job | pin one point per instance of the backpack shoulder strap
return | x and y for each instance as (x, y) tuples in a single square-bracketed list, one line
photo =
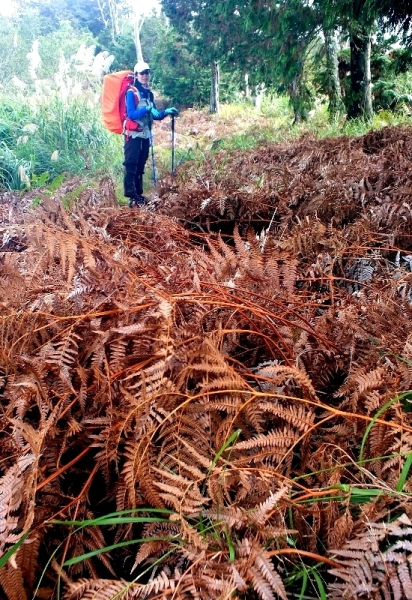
[(133, 89)]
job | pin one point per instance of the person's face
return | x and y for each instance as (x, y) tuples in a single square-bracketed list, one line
[(143, 77)]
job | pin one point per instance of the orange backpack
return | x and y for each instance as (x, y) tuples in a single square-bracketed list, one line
[(115, 86)]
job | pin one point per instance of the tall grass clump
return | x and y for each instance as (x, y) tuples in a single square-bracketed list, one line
[(49, 136), (252, 126), (322, 126)]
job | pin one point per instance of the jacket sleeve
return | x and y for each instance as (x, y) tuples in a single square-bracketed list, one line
[(159, 115), (133, 113)]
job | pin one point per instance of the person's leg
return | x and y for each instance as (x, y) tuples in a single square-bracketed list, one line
[(132, 151), (138, 182), (143, 156)]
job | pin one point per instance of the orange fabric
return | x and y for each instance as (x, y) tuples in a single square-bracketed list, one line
[(112, 89)]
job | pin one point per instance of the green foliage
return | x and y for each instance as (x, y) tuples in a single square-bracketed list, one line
[(57, 50), (389, 95), (199, 37), (14, 171), (53, 136), (122, 47), (286, 31), (50, 126), (82, 14), (178, 73), (12, 53), (397, 12), (275, 43), (392, 82)]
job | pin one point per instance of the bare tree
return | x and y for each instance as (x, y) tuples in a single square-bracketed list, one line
[(138, 22), (110, 16), (138, 17), (214, 92)]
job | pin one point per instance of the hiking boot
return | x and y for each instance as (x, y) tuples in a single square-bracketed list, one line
[(137, 201)]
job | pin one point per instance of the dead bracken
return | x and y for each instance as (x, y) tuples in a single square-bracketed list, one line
[(238, 356)]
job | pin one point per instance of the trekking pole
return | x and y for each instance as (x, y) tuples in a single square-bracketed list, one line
[(153, 159), (173, 145)]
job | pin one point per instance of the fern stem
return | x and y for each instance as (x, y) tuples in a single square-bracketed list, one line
[(318, 557), (62, 469)]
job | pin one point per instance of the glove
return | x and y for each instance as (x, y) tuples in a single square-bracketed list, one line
[(173, 112), (154, 112)]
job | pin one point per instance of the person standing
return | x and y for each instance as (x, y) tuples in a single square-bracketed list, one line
[(141, 110)]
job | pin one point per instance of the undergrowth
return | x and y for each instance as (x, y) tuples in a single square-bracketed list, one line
[(48, 136), (190, 415), (42, 139), (240, 127)]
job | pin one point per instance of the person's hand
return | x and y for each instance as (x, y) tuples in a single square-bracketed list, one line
[(173, 112), (154, 112)]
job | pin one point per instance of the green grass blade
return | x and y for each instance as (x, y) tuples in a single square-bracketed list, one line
[(148, 570), (115, 518), (219, 453), (378, 414), (304, 584), (87, 555), (321, 588), (111, 521), (358, 463), (232, 553), (12, 550), (404, 473)]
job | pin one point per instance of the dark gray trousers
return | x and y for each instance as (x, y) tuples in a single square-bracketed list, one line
[(136, 153)]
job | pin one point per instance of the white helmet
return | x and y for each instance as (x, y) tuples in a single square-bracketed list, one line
[(141, 66)]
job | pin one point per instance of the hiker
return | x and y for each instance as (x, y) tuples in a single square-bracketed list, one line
[(141, 108)]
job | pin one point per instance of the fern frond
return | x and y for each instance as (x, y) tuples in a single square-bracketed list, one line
[(265, 566), (12, 582), (280, 373), (63, 355), (11, 494), (67, 249), (273, 439), (97, 589), (260, 514), (297, 415), (185, 494), (118, 354), (150, 550), (373, 563), (200, 458), (230, 381)]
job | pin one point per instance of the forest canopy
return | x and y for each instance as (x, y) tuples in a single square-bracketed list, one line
[(349, 53)]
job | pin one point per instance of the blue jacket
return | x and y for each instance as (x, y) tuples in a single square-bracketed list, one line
[(138, 113)]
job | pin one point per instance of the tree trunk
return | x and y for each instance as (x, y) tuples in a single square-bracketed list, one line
[(336, 106), (112, 19), (361, 85), (367, 90), (138, 22), (259, 93), (247, 88), (214, 92), (296, 101)]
